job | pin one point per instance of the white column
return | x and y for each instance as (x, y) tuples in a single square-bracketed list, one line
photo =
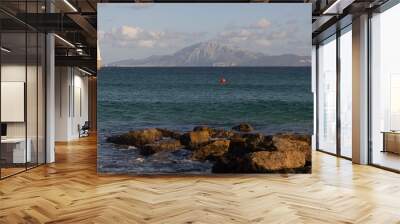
[(63, 99), (360, 90), (314, 92), (50, 98)]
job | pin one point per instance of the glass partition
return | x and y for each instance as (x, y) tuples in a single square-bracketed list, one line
[(327, 95), (13, 109), (22, 78), (346, 92), (31, 98), (41, 97), (385, 89)]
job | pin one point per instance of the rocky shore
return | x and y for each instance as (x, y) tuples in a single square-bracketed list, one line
[(239, 150)]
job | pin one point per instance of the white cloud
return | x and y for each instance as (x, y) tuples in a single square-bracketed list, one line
[(279, 35), (255, 32), (157, 34), (129, 32), (260, 36), (263, 23), (263, 42), (146, 43), (133, 36)]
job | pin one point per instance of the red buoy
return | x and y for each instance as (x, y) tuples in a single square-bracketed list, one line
[(222, 81)]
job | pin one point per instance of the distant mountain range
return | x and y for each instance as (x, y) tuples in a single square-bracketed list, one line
[(214, 54)]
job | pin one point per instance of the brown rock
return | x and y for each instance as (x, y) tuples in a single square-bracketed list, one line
[(137, 137), (204, 128), (293, 142), (250, 142), (261, 162), (237, 146), (265, 161), (211, 150), (194, 139), (236, 135), (267, 143), (162, 145), (221, 133), (169, 133), (258, 142), (243, 127), (230, 164)]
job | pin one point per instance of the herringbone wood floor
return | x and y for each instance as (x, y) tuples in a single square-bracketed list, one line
[(70, 191)]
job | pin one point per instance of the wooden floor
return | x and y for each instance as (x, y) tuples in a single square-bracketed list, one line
[(387, 159), (5, 172), (70, 191)]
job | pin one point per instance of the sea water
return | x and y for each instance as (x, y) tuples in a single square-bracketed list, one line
[(271, 99)]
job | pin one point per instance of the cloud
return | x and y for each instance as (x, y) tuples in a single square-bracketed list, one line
[(129, 33), (137, 37), (263, 42), (263, 23), (142, 5), (260, 36), (247, 32), (278, 35), (146, 43)]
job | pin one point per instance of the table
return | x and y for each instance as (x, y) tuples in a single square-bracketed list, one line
[(16, 147), (391, 141)]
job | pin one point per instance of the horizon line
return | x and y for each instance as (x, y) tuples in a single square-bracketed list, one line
[(249, 66)]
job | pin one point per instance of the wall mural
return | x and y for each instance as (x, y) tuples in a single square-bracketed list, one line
[(204, 88)]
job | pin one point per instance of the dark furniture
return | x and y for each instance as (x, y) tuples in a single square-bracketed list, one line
[(391, 141), (3, 129), (84, 130)]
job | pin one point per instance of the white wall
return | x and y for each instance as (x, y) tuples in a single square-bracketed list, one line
[(33, 126), (314, 91), (12, 73), (71, 102), (62, 82), (17, 73)]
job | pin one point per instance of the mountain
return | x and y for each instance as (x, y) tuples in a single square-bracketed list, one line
[(212, 53)]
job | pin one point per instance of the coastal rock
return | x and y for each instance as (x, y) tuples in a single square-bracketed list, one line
[(255, 153), (264, 161), (230, 164), (211, 150), (293, 142), (250, 142), (243, 127), (137, 137), (194, 139), (253, 140), (237, 146), (258, 142), (267, 144), (204, 128), (169, 133), (162, 145), (221, 133)]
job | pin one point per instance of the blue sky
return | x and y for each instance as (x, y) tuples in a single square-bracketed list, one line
[(129, 30)]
